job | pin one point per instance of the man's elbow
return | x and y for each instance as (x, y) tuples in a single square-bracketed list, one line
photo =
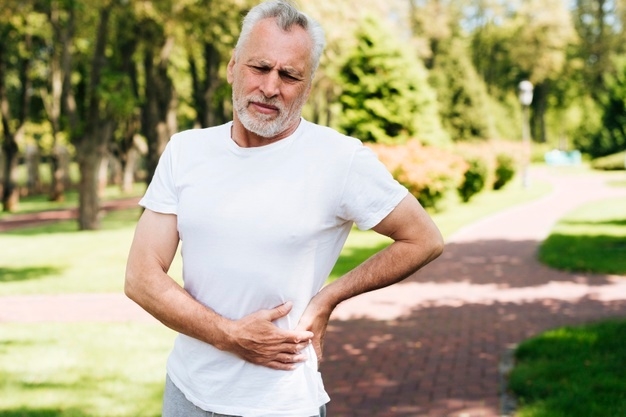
[(435, 246), (130, 284)]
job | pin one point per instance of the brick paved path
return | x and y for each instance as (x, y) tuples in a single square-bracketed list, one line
[(430, 346)]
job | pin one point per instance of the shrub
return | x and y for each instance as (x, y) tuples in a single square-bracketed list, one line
[(429, 173), (505, 170), (616, 161), (474, 179)]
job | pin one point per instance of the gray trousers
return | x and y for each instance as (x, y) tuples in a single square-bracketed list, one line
[(176, 405)]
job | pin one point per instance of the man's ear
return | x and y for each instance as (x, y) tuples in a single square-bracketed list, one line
[(229, 69)]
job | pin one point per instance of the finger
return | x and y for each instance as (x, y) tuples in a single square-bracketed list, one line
[(281, 366), (280, 311), (290, 358)]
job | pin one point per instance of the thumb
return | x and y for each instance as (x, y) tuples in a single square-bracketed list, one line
[(280, 311)]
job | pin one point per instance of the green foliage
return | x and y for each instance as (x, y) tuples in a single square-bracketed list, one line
[(505, 170), (614, 162), (604, 131), (572, 372), (385, 94), (589, 239), (474, 179), (589, 114), (612, 137), (462, 95)]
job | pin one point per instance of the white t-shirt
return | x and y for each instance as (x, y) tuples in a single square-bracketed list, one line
[(261, 226)]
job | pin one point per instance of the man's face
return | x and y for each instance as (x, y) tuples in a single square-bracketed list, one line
[(271, 79)]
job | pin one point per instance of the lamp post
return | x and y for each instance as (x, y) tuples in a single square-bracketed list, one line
[(525, 98)]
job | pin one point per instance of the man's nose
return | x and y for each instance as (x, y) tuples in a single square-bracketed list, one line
[(270, 85)]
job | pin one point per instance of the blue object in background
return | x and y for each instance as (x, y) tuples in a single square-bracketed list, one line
[(556, 157)]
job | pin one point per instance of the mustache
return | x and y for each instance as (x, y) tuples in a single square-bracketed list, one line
[(264, 100)]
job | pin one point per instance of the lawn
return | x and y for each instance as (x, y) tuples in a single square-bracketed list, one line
[(578, 371), (82, 370), (572, 372), (592, 238)]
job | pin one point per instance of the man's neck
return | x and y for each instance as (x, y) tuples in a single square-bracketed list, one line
[(247, 139)]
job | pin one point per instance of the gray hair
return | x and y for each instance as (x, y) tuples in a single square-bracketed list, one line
[(286, 15)]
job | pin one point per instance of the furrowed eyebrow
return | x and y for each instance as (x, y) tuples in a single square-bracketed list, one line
[(291, 72), (288, 71)]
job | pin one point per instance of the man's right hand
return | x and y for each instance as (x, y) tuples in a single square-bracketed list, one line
[(256, 339)]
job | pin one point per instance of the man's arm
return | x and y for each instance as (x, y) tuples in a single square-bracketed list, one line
[(416, 242), (254, 338)]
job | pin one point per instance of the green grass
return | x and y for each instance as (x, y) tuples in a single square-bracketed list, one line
[(56, 258), (572, 372), (578, 371), (82, 370), (592, 238)]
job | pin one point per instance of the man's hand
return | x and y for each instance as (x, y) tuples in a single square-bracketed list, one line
[(257, 340), (315, 319)]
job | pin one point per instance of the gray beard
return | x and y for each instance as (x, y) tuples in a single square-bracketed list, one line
[(267, 128), (262, 125)]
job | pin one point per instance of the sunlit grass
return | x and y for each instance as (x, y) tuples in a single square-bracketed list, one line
[(82, 370), (592, 238), (572, 372), (56, 258)]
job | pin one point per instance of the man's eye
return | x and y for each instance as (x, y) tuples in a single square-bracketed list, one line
[(289, 77), (259, 69)]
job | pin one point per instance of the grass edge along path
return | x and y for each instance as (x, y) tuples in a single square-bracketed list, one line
[(573, 371), (578, 371)]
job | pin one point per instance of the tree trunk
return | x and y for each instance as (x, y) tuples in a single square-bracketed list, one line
[(93, 145), (159, 110), (128, 170), (90, 156), (10, 192), (89, 200), (33, 160), (59, 174), (60, 64)]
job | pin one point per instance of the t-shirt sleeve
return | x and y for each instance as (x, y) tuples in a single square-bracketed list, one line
[(161, 195), (370, 192)]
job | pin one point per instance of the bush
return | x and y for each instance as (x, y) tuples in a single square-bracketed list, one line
[(505, 170), (474, 179), (429, 173), (614, 162)]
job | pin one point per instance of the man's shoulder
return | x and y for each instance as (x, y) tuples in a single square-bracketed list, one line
[(327, 136)]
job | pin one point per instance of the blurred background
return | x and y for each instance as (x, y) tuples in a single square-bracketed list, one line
[(90, 92)]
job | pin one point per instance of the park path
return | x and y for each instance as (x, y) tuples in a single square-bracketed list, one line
[(432, 345)]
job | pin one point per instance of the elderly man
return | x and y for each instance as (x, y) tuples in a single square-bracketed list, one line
[(262, 207)]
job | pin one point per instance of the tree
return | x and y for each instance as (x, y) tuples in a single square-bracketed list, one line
[(211, 28), (611, 137), (16, 44), (524, 40), (385, 94), (599, 25), (462, 94), (61, 17)]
